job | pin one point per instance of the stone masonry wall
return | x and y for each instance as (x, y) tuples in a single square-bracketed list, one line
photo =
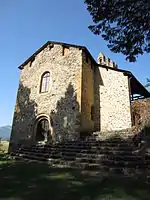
[(87, 100), (97, 83), (112, 89), (141, 118), (63, 100), (141, 112)]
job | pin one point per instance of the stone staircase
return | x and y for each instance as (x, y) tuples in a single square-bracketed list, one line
[(109, 156)]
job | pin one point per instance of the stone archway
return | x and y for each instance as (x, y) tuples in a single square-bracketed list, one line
[(42, 129)]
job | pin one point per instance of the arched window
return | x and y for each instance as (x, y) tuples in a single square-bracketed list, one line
[(45, 82)]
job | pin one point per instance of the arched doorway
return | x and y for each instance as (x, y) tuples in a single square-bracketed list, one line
[(42, 129)]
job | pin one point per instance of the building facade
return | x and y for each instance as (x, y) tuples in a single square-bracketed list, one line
[(63, 92)]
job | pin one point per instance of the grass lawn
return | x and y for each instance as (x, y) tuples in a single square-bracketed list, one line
[(4, 146), (25, 181)]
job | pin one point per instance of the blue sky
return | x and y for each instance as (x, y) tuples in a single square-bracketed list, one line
[(27, 25)]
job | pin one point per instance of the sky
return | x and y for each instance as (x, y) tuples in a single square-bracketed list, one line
[(27, 25)]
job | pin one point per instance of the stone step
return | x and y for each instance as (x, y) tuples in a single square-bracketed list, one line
[(73, 164), (113, 143), (95, 143), (83, 146), (100, 155), (87, 152), (107, 152), (83, 151), (72, 151), (111, 156), (83, 155), (75, 148), (106, 161), (54, 156), (110, 162), (29, 156), (91, 144), (39, 155)]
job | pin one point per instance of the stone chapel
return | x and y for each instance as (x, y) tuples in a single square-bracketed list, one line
[(63, 93)]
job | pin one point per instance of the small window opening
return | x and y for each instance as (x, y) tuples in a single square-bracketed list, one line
[(104, 58), (86, 58), (114, 65), (50, 46), (32, 60), (100, 60), (92, 65), (92, 113), (65, 51)]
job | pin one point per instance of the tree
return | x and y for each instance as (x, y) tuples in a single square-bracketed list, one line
[(125, 24), (148, 83)]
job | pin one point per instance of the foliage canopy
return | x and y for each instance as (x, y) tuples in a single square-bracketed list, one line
[(148, 83), (125, 24)]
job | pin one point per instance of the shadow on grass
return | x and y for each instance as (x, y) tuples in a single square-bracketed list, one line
[(40, 181)]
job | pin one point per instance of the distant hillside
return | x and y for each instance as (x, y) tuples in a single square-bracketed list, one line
[(5, 132)]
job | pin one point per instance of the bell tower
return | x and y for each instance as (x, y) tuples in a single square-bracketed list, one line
[(103, 60)]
